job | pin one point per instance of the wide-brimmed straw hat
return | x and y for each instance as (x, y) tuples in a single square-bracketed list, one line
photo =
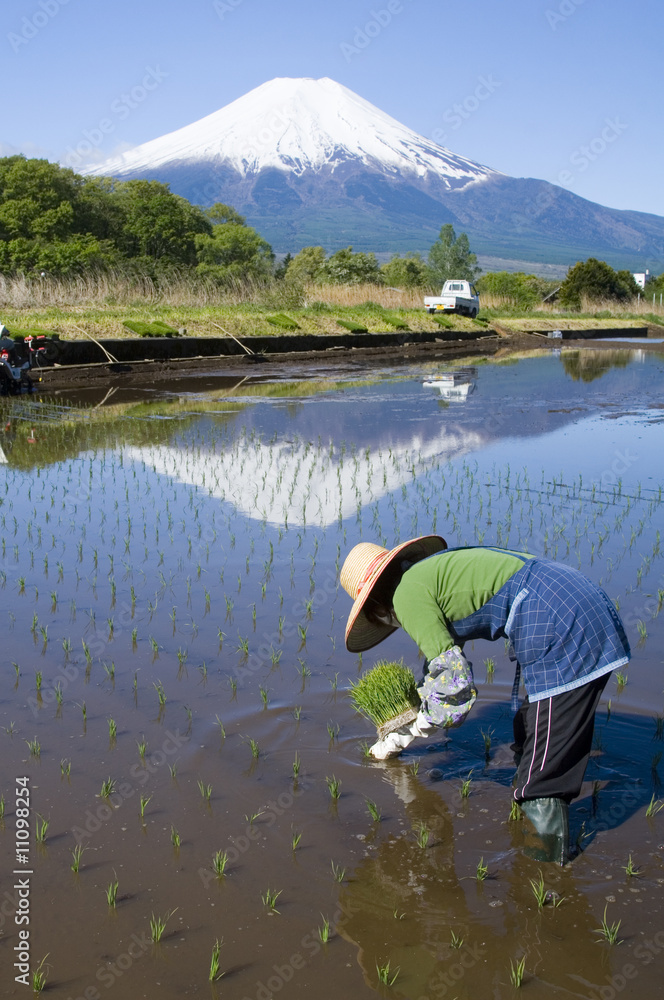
[(361, 574)]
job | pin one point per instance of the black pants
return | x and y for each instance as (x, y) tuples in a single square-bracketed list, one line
[(552, 742)]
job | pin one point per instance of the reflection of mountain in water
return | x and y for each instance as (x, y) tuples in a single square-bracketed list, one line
[(298, 483)]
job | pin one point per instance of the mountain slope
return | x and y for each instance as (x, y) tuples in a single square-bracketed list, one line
[(308, 161)]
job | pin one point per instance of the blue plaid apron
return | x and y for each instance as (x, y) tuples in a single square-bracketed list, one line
[(563, 629)]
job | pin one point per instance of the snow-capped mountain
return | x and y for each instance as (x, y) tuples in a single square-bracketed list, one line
[(299, 125), (308, 162)]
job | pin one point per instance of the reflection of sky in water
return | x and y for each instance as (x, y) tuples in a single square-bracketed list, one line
[(312, 461)]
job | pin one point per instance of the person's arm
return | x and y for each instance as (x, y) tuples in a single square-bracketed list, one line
[(420, 615)]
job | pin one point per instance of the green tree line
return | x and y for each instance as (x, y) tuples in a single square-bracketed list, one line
[(57, 222)]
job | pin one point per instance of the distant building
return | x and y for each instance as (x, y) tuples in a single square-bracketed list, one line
[(641, 278)]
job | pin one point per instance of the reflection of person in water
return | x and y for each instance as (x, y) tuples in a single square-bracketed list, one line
[(564, 634), (403, 903)]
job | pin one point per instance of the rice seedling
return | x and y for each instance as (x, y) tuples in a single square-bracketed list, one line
[(161, 694), (386, 692), (464, 789), (112, 892), (264, 696), (385, 976), (219, 863), (2, 807), (486, 735), (255, 749), (373, 810), (517, 970), (269, 898), (334, 787), (490, 666), (630, 868), (654, 807), (214, 974), (39, 977), (654, 763), (324, 931), (65, 767), (338, 873), (109, 670), (333, 730), (515, 812), (243, 646), (76, 856), (539, 891), (205, 790), (621, 680), (34, 746), (144, 800), (609, 931), (642, 630), (84, 712), (158, 926), (173, 768), (456, 941), (414, 767), (252, 817), (305, 672), (142, 747), (233, 686), (41, 829), (296, 765), (107, 788), (422, 835), (112, 730), (175, 838), (38, 681), (482, 870)]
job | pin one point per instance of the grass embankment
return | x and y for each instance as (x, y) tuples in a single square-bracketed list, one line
[(103, 306)]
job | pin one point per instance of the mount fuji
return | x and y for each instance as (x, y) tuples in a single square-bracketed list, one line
[(310, 162)]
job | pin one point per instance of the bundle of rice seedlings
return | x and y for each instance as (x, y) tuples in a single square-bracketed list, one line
[(387, 694)]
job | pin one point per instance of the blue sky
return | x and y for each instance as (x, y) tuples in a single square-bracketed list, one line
[(564, 90)]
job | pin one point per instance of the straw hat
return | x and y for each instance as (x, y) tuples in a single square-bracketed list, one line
[(363, 570)]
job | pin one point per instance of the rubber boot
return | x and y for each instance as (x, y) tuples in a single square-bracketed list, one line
[(548, 840)]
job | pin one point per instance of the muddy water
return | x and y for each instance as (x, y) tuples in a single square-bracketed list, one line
[(173, 624)]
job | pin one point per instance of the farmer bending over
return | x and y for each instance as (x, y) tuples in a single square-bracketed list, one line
[(563, 631)]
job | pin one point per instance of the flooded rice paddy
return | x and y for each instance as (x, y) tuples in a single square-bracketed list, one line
[(174, 686)]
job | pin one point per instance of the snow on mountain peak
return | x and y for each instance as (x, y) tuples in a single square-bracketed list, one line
[(299, 125)]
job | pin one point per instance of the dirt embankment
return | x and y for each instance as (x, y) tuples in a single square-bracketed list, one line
[(152, 359)]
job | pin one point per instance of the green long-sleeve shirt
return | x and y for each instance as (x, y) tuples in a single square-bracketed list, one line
[(448, 587)]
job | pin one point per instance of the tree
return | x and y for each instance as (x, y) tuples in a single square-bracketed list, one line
[(233, 251), (158, 223), (595, 280), (516, 288), (220, 213), (406, 272), (450, 257), (347, 268), (306, 266)]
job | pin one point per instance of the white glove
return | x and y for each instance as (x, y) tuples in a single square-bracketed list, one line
[(395, 742)]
